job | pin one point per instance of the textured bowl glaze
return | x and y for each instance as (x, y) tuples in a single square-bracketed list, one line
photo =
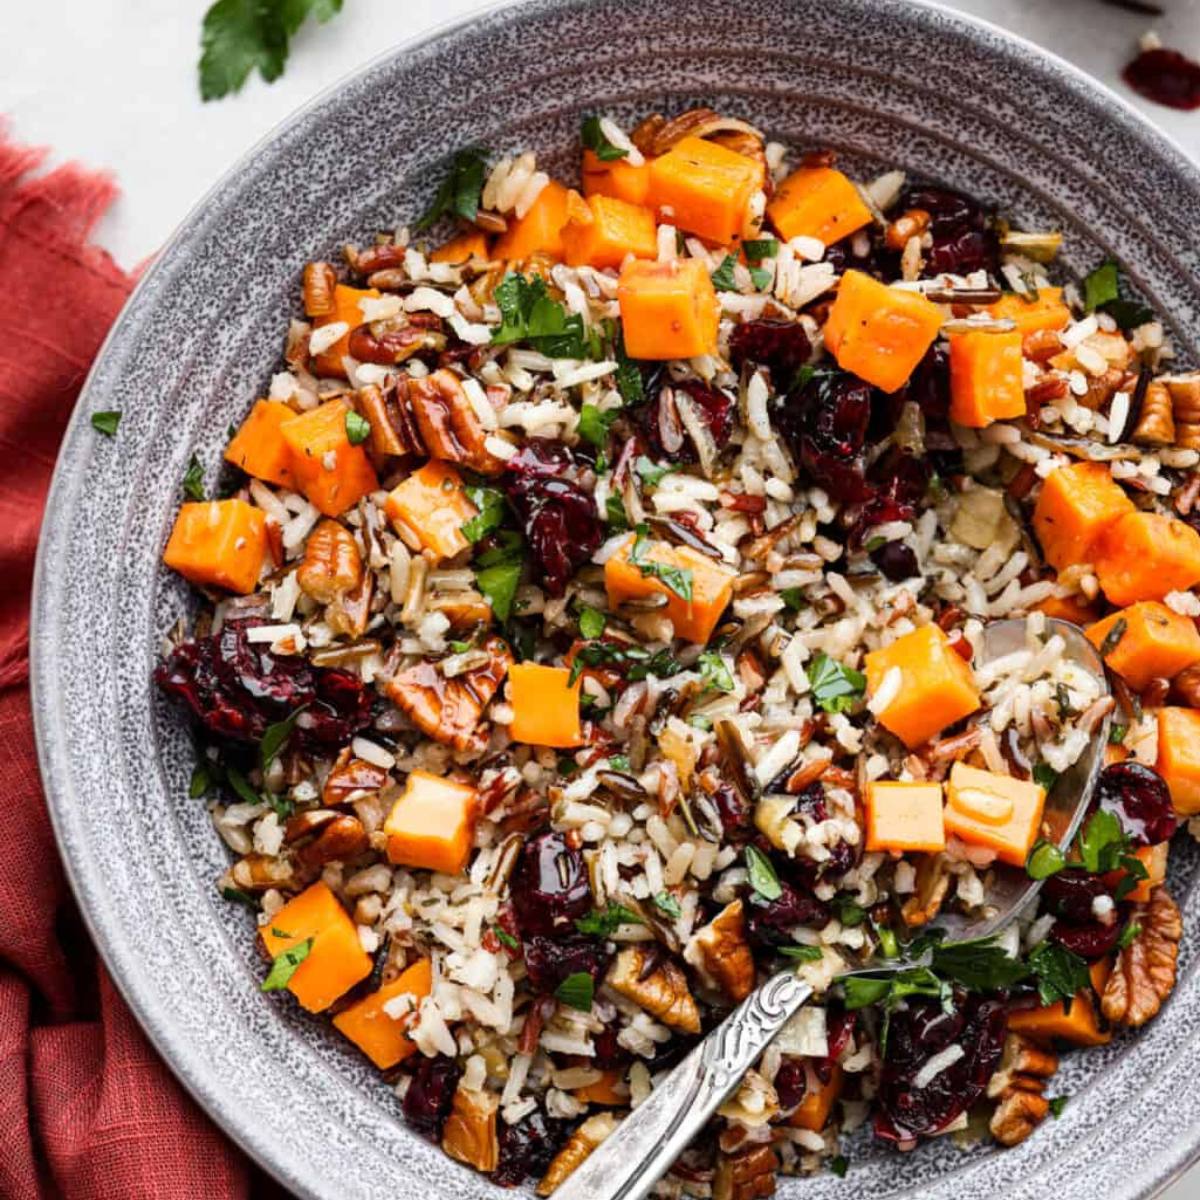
[(885, 84)]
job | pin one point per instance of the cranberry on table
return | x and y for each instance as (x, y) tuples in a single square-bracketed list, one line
[(430, 1095), (1165, 76), (550, 887), (1139, 798)]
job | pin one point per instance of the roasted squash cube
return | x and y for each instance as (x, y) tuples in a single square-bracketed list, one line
[(994, 811), (618, 178), (461, 248), (1076, 505), (706, 188), (432, 824), (611, 231), (1179, 757), (936, 685), (380, 1037), (812, 1113), (258, 447), (539, 231), (346, 309), (1050, 1023), (219, 542), (1156, 643), (430, 508), (668, 310), (817, 202), (545, 705), (986, 378), (1144, 556), (332, 473), (904, 817), (1031, 316)]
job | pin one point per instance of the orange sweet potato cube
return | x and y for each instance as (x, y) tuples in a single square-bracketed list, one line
[(905, 817), (462, 248), (1054, 1023), (539, 231), (1144, 556), (545, 705), (258, 447), (380, 1037), (1179, 757), (430, 508), (336, 961), (986, 378), (936, 685), (1068, 608), (711, 585), (617, 178), (1155, 643), (668, 310), (610, 231), (880, 333), (432, 824), (817, 202), (346, 310), (706, 187), (1076, 505), (995, 811), (332, 473), (1030, 316), (813, 1111), (219, 542)]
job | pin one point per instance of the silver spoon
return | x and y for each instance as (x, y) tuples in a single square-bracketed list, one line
[(648, 1141)]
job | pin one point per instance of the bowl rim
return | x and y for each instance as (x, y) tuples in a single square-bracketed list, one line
[(46, 712)]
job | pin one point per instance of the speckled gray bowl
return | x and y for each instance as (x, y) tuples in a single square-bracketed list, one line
[(883, 83)]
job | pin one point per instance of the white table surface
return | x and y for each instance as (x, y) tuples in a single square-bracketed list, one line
[(112, 84)]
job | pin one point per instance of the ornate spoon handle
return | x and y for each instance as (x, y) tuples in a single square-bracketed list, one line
[(649, 1140)]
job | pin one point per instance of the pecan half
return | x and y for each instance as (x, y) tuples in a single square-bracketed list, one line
[(350, 778), (655, 135), (451, 710), (1185, 396), (578, 1146), (332, 837), (747, 1175), (332, 563), (469, 1133), (319, 282), (1144, 974), (1156, 424), (448, 424), (720, 954), (392, 429), (396, 341), (1024, 1066), (258, 872), (350, 613), (663, 993)]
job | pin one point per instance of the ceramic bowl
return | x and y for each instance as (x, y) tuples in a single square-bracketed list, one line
[(886, 85)]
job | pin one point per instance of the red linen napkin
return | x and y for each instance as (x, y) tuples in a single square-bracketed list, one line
[(87, 1110)]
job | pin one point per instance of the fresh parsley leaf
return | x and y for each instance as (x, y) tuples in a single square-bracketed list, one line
[(628, 375), (576, 991), (1113, 637), (594, 424), (275, 737), (604, 922), (506, 938), (715, 672), (239, 36), (759, 248), (619, 762), (1101, 842), (849, 912), (530, 314), (1101, 286), (862, 990), (281, 804), (1045, 859), (1134, 872), (591, 623), (677, 579), (802, 953), (280, 933), (793, 597), (615, 516), (193, 480), (889, 943), (459, 192), (835, 688), (668, 905), (285, 965), (983, 965), (202, 780), (760, 277), (636, 661), (106, 422), (241, 785), (1045, 775), (593, 139), (1116, 734), (358, 429), (650, 472), (722, 277), (839, 1164), (1057, 1104), (763, 879), (237, 896), (490, 503), (499, 585), (1128, 934), (1059, 973)]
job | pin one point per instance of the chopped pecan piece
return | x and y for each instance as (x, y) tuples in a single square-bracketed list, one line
[(753, 1104), (331, 837), (1017, 1116), (1185, 396), (1024, 1066), (451, 710), (350, 613), (663, 993), (392, 431), (655, 135), (747, 1175), (469, 1133), (332, 565), (933, 881), (1185, 687), (578, 1146), (1144, 973), (319, 282), (448, 423), (258, 872), (1156, 424), (349, 778), (720, 954), (394, 341)]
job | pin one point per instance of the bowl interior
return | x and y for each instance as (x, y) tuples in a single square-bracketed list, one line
[(883, 84)]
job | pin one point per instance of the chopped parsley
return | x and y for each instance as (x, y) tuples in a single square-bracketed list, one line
[(193, 480), (593, 138), (577, 991), (498, 573), (594, 424), (1116, 734), (802, 953), (491, 511), (237, 896), (722, 278), (850, 913), (676, 579), (1102, 291), (761, 874), (202, 781), (835, 688), (106, 422), (650, 472), (358, 429), (591, 622), (668, 905), (530, 314), (1057, 1104), (1101, 842), (615, 516), (638, 663), (1045, 775), (839, 1164), (275, 738), (715, 672), (1128, 935), (460, 190), (759, 248), (285, 965), (1045, 859), (506, 939), (793, 597), (605, 922), (1059, 973)]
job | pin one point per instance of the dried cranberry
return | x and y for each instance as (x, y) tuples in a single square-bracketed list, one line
[(929, 385), (780, 346), (1138, 797), (1070, 895), (558, 516), (791, 1082), (825, 423), (550, 960), (526, 1148), (895, 560), (770, 922), (430, 1095), (1091, 941), (550, 887), (609, 1053), (716, 410), (840, 1028), (961, 241), (1165, 76), (917, 1033), (736, 817)]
